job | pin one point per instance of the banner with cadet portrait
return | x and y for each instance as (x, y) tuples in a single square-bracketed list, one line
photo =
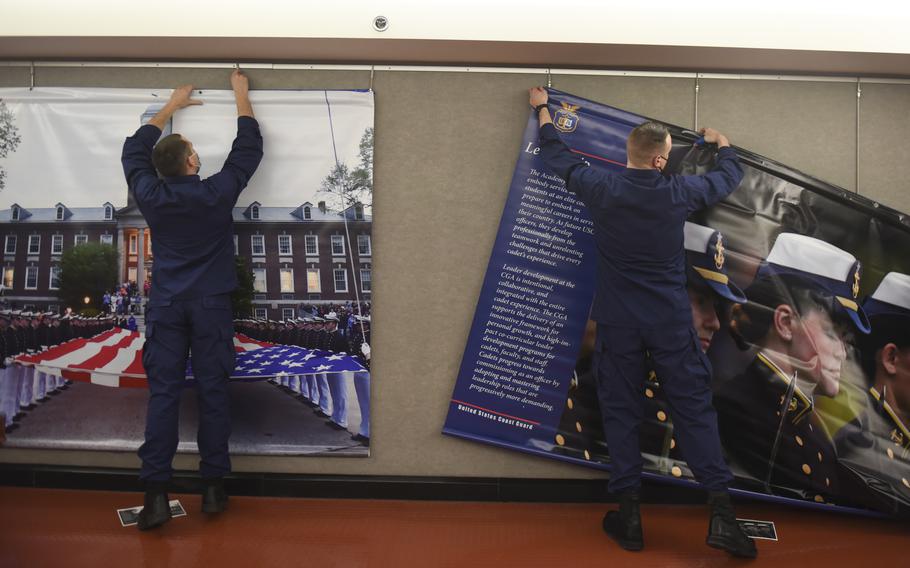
[(78, 262), (800, 296)]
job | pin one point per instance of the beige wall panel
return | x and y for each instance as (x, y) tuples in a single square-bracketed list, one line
[(884, 123), (668, 99), (810, 126)]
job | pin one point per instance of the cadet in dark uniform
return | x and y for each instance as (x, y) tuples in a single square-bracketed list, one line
[(641, 305), (190, 304), (876, 446), (802, 304)]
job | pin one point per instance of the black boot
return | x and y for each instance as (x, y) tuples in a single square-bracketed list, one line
[(624, 526), (214, 498), (156, 510), (724, 531)]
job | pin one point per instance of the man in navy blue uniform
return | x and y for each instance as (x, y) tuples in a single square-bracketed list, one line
[(189, 308), (641, 305)]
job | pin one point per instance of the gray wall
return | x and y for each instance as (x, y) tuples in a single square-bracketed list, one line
[(446, 145)]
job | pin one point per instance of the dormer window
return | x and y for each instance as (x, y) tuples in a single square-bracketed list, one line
[(15, 213), (254, 212), (108, 212), (358, 212), (307, 213), (60, 212)]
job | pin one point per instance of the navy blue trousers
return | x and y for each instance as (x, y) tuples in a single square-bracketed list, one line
[(685, 375), (174, 329)]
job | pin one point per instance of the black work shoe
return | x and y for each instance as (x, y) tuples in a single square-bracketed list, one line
[(214, 498), (155, 512), (724, 531), (624, 525)]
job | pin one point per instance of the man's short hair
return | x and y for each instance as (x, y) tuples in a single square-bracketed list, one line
[(646, 141), (170, 154)]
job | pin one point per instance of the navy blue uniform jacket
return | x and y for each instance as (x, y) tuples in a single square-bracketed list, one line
[(638, 229), (191, 218)]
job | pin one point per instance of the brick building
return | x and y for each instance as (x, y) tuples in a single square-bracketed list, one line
[(297, 254)]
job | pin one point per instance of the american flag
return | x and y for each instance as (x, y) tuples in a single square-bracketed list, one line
[(114, 359)]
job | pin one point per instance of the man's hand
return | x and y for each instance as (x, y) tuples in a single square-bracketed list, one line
[(538, 96), (712, 136), (239, 82), (180, 98), (241, 86)]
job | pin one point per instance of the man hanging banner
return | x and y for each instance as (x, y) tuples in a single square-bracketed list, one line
[(800, 296), (78, 256)]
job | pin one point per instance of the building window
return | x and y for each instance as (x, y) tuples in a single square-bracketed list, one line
[(312, 280), (236, 246), (107, 239), (53, 308), (10, 246), (287, 279), (258, 244), (31, 277), (15, 214), (287, 313), (60, 213), (307, 213), (148, 245), (260, 313), (254, 212), (8, 273), (55, 278), (311, 243), (358, 212), (81, 239), (134, 244), (364, 247), (57, 244), (284, 245), (34, 244), (366, 279), (108, 213), (259, 282), (337, 245), (341, 280)]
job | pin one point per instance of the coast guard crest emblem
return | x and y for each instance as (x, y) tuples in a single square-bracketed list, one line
[(565, 119), (719, 252)]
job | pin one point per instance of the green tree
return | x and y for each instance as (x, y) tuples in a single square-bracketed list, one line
[(9, 137), (345, 186), (242, 297), (87, 270)]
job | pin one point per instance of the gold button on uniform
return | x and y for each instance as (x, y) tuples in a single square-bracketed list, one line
[(905, 482), (649, 393), (661, 415), (799, 441), (827, 482), (819, 499), (560, 440), (672, 443), (890, 453), (587, 455), (819, 456), (578, 427), (806, 469), (570, 404), (676, 471)]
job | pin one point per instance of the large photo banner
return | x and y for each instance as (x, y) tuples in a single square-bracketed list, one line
[(800, 296), (78, 265)]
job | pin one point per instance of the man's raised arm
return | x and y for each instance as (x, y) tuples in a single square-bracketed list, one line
[(246, 152)]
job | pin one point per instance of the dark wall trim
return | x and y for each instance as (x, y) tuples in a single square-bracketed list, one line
[(347, 487), (454, 52)]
